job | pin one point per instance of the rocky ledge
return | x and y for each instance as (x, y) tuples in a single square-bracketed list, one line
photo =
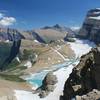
[(84, 78), (48, 85), (93, 95)]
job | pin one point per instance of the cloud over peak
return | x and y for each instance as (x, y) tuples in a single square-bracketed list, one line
[(6, 21)]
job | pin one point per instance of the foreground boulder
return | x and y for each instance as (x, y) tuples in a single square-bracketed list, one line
[(48, 85), (85, 76), (93, 95), (91, 26)]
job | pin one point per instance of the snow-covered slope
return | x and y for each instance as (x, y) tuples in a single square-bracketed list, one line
[(81, 47)]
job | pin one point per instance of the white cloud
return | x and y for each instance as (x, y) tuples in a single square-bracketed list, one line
[(6, 21)]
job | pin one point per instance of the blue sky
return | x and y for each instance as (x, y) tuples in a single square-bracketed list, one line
[(29, 14)]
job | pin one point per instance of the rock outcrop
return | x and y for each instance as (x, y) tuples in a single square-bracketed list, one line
[(48, 34), (61, 29), (93, 95), (91, 26), (10, 34), (85, 76), (48, 85)]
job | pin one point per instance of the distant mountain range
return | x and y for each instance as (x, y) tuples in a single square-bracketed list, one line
[(14, 42), (42, 35)]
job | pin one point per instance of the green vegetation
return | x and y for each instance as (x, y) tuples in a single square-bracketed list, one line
[(27, 54), (11, 77), (13, 64), (16, 68)]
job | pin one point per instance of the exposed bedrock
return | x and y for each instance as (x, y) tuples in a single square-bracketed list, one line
[(48, 85), (91, 26), (85, 76)]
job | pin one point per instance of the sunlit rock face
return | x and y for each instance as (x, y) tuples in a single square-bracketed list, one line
[(91, 26)]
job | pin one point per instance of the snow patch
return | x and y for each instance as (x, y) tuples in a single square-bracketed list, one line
[(81, 47), (28, 64), (96, 18), (96, 12), (23, 95), (36, 41), (17, 58), (7, 41)]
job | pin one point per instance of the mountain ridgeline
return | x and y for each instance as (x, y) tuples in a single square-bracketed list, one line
[(42, 35), (10, 34), (12, 38)]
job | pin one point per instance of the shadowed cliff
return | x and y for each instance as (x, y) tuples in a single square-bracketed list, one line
[(13, 53)]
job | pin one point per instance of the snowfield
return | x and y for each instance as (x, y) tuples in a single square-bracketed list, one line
[(80, 47)]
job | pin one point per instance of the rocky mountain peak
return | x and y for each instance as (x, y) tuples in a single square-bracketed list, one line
[(91, 26), (93, 14), (57, 26), (10, 34)]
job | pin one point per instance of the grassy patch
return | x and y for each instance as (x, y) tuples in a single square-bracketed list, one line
[(20, 68), (15, 78), (13, 64)]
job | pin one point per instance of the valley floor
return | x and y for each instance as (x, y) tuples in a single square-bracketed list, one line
[(80, 47)]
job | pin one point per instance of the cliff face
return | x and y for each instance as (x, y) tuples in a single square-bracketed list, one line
[(91, 26), (13, 53), (85, 76), (10, 34)]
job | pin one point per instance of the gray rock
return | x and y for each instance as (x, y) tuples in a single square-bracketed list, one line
[(50, 88), (91, 26), (48, 85), (50, 79), (93, 95), (84, 78), (43, 94)]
